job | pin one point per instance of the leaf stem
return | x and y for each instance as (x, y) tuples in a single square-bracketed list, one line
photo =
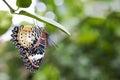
[(11, 9)]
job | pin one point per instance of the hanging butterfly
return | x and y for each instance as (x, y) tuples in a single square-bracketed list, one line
[(31, 41)]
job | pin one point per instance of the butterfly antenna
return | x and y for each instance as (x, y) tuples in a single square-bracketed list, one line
[(51, 42)]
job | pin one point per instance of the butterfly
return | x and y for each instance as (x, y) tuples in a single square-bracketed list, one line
[(31, 41)]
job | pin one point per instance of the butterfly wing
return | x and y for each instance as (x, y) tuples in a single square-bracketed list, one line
[(31, 42), (33, 59)]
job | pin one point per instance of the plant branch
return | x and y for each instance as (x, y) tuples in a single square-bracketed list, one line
[(11, 9), (40, 18)]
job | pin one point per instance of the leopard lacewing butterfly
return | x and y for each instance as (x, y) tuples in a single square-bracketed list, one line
[(31, 42)]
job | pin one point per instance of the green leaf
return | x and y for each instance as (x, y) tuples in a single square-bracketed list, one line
[(23, 3), (46, 20), (5, 21)]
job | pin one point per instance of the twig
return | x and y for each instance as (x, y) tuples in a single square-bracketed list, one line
[(11, 9)]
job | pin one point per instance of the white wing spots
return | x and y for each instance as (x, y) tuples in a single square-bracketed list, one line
[(36, 56), (29, 37)]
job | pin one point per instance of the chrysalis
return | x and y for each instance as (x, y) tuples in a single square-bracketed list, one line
[(31, 42)]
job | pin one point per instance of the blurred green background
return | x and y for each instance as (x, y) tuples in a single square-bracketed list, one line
[(92, 52)]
